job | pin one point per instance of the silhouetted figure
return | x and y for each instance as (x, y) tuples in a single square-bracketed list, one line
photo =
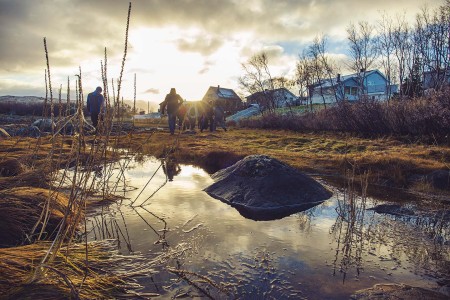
[(191, 116), (95, 105), (171, 169), (181, 116), (219, 116), (172, 102), (208, 117)]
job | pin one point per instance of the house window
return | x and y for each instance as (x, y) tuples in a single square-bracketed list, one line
[(347, 90), (350, 90)]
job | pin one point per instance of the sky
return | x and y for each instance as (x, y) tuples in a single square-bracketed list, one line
[(186, 44)]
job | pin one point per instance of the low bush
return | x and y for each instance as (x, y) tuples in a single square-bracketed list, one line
[(420, 117)]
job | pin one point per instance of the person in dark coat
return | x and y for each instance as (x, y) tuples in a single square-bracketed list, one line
[(219, 116), (95, 105), (208, 116), (172, 102)]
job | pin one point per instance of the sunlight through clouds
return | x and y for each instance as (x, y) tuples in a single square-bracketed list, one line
[(189, 45)]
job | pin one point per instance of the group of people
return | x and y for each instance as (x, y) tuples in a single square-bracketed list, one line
[(211, 115)]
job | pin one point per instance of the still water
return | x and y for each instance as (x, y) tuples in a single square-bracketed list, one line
[(196, 246)]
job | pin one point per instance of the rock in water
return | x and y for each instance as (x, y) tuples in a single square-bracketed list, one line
[(263, 188)]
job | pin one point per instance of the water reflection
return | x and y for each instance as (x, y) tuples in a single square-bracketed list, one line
[(350, 228), (171, 168), (201, 247), (420, 239), (160, 233)]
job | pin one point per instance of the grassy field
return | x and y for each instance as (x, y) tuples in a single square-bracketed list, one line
[(27, 165), (390, 162)]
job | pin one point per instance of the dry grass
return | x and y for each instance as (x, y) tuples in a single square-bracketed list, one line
[(11, 167), (42, 152), (65, 277), (21, 209), (391, 162)]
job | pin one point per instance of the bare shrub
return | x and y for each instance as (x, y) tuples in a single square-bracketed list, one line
[(419, 117)]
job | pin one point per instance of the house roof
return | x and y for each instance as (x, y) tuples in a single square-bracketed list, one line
[(275, 91), (223, 92), (355, 76)]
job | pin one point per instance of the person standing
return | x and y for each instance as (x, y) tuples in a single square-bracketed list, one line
[(219, 116), (95, 105), (172, 102)]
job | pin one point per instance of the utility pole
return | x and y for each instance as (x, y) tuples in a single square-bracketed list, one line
[(134, 103)]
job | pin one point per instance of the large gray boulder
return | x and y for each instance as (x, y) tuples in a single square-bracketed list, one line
[(263, 188)]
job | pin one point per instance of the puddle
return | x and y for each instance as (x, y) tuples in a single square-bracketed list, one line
[(209, 250)]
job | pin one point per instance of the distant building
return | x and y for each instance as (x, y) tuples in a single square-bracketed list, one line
[(436, 79), (230, 101), (278, 97), (374, 86)]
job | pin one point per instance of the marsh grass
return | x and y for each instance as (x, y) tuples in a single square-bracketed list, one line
[(425, 119), (68, 168), (389, 162), (65, 276), (20, 211)]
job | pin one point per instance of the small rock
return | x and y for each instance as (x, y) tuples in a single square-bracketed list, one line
[(439, 179)]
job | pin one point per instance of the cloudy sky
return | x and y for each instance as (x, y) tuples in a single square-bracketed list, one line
[(186, 44)]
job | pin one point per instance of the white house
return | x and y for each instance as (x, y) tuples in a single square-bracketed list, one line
[(374, 86)]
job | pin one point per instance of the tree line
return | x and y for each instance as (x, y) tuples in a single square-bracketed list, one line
[(404, 51)]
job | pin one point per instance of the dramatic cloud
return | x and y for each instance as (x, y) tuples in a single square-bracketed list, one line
[(152, 91), (171, 42), (201, 44)]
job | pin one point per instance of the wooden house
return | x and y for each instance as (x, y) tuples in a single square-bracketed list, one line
[(229, 100)]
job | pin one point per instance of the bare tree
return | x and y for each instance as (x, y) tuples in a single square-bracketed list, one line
[(258, 79), (322, 68), (431, 36), (385, 45), (363, 49), (402, 47), (304, 76)]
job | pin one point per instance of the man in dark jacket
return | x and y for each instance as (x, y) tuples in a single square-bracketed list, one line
[(95, 105), (172, 102), (219, 115)]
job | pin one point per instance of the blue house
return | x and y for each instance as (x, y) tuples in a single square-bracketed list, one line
[(374, 86)]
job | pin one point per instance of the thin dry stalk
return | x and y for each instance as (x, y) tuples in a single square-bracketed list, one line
[(119, 82)]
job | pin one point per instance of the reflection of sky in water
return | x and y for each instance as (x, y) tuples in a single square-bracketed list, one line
[(289, 258)]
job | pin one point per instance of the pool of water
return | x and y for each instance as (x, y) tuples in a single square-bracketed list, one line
[(197, 246)]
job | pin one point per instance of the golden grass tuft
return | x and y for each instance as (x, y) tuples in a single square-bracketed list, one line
[(11, 167), (21, 208), (64, 276), (32, 178)]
